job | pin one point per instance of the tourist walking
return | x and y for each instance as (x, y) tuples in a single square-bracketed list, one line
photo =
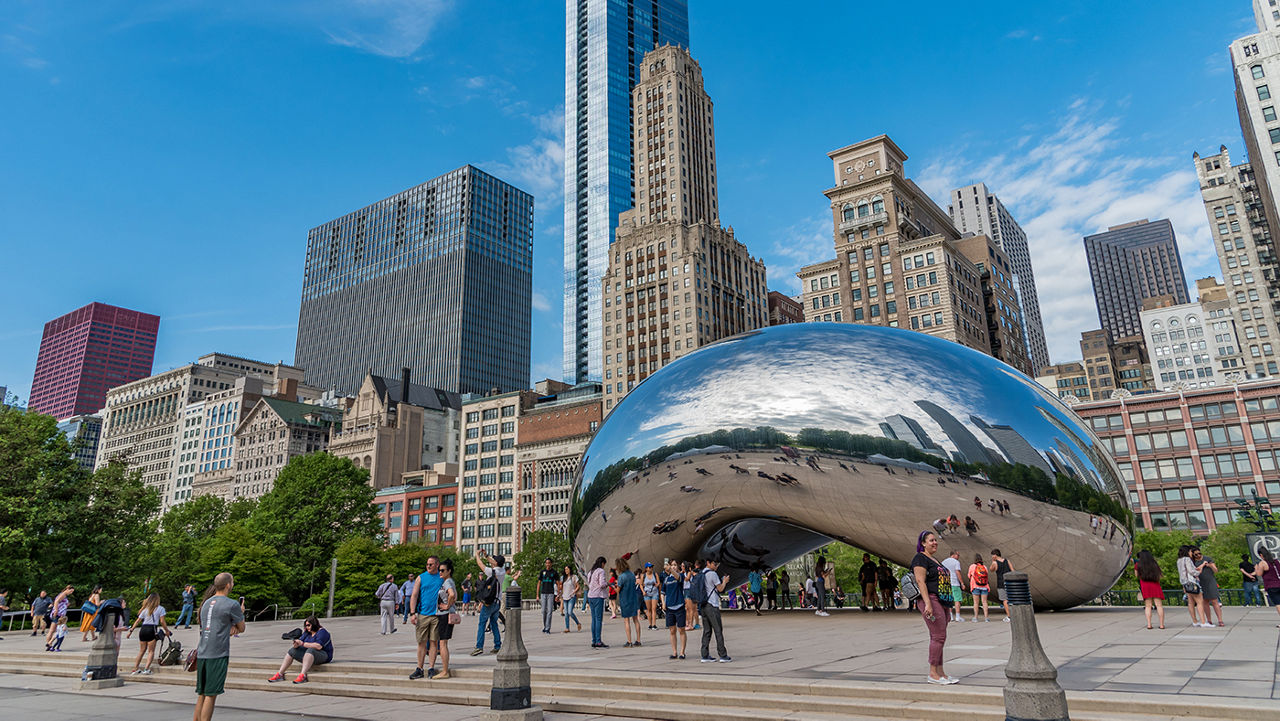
[(867, 574), (547, 593), (820, 586), (406, 594), (313, 648), (1252, 596), (809, 597), (979, 587), (422, 600), (652, 587), (784, 579), (59, 631), (712, 586), (1211, 597), (888, 584), (88, 610), (492, 576), (569, 598), (970, 525), (468, 589), (1189, 577), (388, 595), (755, 585), (220, 619), (628, 600), (1147, 569), (188, 606), (613, 593), (934, 583), (597, 593), (1000, 566), (1268, 570), (153, 628), (673, 605), (61, 603), (40, 612), (952, 564), (771, 590)]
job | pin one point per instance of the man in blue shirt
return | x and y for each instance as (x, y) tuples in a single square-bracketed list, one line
[(754, 580), (673, 604), (426, 589), (188, 606)]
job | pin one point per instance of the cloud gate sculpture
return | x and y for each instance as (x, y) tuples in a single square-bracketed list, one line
[(767, 445)]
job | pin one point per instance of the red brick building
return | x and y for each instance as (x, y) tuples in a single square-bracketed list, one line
[(425, 510), (1188, 455), (784, 309)]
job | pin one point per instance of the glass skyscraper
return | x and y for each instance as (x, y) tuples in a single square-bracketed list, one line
[(605, 40), (437, 279)]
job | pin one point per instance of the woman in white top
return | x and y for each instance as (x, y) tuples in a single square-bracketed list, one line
[(1189, 577), (151, 619), (569, 597)]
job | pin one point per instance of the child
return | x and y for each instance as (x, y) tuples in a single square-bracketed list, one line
[(59, 634)]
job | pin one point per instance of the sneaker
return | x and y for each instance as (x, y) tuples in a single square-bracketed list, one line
[(708, 659), (432, 673), (951, 680), (477, 652), (441, 676), (302, 678), (959, 620), (146, 672), (1006, 619), (725, 659), (939, 681), (495, 650), (280, 677), (135, 672), (627, 644), (417, 674)]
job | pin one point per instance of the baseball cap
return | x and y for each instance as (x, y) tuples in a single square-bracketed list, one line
[(499, 560), (648, 565)]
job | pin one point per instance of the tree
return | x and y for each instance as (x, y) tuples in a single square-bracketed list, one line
[(1225, 545), (362, 567), (184, 530), (107, 539), (539, 546), (318, 502), (258, 571)]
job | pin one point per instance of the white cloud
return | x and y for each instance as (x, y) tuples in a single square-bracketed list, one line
[(538, 165), (804, 243), (394, 28), (540, 302), (1079, 180)]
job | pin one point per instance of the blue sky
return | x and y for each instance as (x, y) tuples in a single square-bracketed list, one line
[(171, 156)]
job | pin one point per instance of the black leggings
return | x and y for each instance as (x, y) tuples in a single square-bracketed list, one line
[(820, 586)]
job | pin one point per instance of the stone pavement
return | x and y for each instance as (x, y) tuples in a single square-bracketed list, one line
[(30, 697), (1095, 649)]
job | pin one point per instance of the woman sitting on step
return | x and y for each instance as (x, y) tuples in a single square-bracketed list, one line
[(313, 649)]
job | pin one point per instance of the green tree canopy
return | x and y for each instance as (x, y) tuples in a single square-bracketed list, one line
[(184, 530), (258, 571), (539, 546), (318, 502)]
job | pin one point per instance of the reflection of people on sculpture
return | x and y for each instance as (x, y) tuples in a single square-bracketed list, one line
[(666, 527), (702, 471), (709, 514), (690, 489)]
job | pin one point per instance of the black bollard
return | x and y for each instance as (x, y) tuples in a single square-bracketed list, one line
[(511, 698), (1032, 693)]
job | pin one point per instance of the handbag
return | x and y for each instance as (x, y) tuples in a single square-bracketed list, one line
[(455, 618), (190, 664), (1190, 588)]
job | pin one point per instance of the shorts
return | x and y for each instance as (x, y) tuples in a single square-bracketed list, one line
[(148, 633), (676, 619), (318, 656), (980, 591), (428, 629), (1000, 594), (651, 597), (211, 675), (466, 597), (444, 629), (1273, 594)]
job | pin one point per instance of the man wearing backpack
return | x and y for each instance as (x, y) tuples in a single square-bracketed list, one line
[(705, 589), (492, 576)]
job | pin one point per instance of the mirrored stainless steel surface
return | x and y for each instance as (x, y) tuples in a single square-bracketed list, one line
[(762, 447)]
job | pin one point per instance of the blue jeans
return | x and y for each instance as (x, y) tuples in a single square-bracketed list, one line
[(186, 614), (489, 617), (569, 614), (1252, 596), (597, 618)]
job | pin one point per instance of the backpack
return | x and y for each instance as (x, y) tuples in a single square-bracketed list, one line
[(488, 592), (172, 655), (698, 589), (907, 587), (980, 575)]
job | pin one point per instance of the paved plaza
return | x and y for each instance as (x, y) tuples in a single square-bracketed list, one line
[(1095, 649)]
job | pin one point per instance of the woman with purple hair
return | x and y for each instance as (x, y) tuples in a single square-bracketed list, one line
[(934, 583)]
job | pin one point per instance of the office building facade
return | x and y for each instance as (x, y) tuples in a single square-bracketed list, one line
[(1233, 203), (1129, 263), (554, 433), (676, 279), (88, 351), (487, 505), (900, 262), (974, 209), (83, 432), (424, 511), (1256, 61), (438, 277), (605, 43)]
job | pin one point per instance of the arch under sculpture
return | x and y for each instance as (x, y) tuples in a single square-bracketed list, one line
[(769, 444)]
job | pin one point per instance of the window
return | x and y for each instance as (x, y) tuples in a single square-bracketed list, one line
[(1269, 114), (1257, 72), (1264, 93)]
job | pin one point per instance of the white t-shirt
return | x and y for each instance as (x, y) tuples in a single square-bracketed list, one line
[(713, 580), (569, 588), (809, 588), (953, 565), (153, 618)]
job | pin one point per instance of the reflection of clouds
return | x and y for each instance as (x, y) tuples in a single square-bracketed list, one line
[(841, 377)]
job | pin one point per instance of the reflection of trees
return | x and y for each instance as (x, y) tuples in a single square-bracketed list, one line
[(1028, 481)]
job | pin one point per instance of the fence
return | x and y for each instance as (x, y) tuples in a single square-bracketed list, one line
[(1172, 597)]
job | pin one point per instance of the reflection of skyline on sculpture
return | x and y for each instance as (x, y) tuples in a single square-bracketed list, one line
[(700, 395), (759, 448)]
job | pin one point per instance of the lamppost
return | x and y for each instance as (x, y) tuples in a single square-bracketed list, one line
[(1257, 512)]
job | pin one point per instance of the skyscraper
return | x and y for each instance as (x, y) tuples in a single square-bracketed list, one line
[(1256, 59), (1129, 263), (605, 41), (976, 210), (1233, 203), (437, 278), (88, 351), (675, 279)]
